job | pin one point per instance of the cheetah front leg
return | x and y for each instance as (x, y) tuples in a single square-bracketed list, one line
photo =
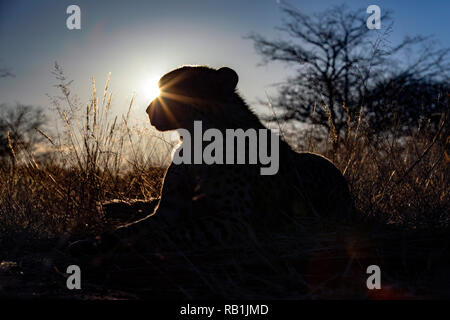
[(175, 206)]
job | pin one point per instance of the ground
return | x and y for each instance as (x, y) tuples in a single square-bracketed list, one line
[(322, 261)]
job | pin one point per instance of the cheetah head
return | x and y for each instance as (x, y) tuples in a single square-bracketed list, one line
[(190, 93)]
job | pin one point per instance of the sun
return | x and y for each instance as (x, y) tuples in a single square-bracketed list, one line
[(150, 89)]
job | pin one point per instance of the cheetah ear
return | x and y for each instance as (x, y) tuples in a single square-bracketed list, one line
[(228, 79)]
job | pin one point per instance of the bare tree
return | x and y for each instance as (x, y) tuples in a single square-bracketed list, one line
[(338, 62), (18, 126)]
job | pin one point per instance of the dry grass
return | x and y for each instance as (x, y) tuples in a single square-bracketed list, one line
[(398, 179), (95, 157), (394, 178)]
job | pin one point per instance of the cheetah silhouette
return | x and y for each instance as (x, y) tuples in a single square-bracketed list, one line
[(306, 184)]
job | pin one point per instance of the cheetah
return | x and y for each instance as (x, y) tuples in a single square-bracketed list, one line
[(193, 195)]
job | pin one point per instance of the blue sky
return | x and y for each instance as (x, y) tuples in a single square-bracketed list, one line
[(141, 40)]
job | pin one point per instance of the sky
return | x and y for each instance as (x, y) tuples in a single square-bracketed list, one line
[(139, 41)]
